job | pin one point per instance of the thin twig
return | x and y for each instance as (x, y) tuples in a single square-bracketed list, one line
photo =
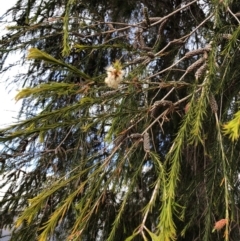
[(184, 37), (172, 13), (229, 10)]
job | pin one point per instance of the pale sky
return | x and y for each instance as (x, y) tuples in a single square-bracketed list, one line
[(8, 106)]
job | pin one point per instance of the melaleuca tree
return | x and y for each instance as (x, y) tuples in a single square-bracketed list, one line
[(124, 129)]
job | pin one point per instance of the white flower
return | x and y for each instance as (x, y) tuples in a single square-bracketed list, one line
[(114, 77)]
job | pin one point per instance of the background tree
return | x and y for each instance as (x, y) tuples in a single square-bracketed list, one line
[(134, 151)]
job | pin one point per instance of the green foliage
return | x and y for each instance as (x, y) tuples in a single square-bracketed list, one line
[(39, 55), (146, 160), (48, 89), (232, 128)]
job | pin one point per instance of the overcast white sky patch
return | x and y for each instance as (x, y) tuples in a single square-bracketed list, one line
[(8, 106)]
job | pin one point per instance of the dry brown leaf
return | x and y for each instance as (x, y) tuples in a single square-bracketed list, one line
[(220, 224)]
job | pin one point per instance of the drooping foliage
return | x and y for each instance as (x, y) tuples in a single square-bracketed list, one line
[(129, 126)]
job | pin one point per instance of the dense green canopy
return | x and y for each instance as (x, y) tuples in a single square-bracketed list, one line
[(129, 126)]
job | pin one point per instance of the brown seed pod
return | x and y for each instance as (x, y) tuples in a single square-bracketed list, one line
[(157, 104), (213, 103), (136, 136), (151, 55), (140, 39), (195, 65), (162, 103), (146, 142), (145, 13), (154, 111), (108, 93), (201, 71), (192, 53)]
